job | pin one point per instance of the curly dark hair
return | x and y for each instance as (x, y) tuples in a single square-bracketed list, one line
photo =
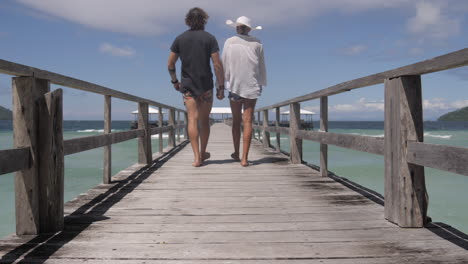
[(196, 18)]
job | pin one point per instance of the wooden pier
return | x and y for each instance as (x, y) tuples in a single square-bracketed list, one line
[(279, 210), (270, 212)]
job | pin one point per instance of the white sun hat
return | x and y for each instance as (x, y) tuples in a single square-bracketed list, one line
[(243, 20)]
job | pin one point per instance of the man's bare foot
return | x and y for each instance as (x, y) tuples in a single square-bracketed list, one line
[(244, 163), (235, 156), (205, 156)]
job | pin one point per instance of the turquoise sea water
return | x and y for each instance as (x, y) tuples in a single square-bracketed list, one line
[(447, 191)]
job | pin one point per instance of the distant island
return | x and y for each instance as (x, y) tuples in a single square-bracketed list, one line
[(5, 114), (457, 115)]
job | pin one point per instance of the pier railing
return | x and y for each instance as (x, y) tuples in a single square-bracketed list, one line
[(39, 148), (403, 148)]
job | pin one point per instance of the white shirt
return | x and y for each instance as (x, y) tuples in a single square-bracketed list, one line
[(244, 66)]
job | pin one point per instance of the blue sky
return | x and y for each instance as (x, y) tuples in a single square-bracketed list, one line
[(309, 45)]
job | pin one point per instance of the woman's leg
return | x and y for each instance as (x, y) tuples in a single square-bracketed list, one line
[(192, 113), (236, 109), (249, 107), (204, 109)]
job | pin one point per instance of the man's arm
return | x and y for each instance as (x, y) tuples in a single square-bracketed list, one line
[(219, 72), (172, 69)]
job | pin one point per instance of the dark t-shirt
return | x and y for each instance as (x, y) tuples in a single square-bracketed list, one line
[(194, 48)]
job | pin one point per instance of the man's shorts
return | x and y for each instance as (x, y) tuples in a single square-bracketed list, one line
[(206, 97)]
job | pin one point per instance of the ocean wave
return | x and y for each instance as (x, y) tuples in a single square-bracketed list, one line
[(438, 136), (164, 136), (95, 130), (367, 135)]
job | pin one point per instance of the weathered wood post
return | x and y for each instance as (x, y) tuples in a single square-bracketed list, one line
[(265, 133), (37, 124), (144, 142), (186, 126), (161, 124), (277, 125), (178, 126), (295, 144), (406, 198), (171, 140), (51, 162), (258, 124), (107, 174), (324, 128), (254, 121)]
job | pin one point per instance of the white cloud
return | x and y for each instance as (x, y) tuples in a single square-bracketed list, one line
[(362, 105), (429, 21), (353, 50), (441, 104), (152, 17), (116, 51)]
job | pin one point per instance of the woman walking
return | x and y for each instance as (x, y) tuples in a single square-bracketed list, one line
[(195, 47), (245, 75)]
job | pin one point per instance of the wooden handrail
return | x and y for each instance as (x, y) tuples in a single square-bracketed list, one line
[(448, 61), (16, 69), (12, 160)]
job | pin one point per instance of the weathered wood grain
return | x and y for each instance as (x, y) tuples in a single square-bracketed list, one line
[(107, 168), (324, 128), (405, 182), (51, 162), (13, 160), (270, 212), (447, 158), (356, 142), (171, 140), (440, 63), (75, 145), (160, 124), (295, 143), (265, 133), (26, 92), (144, 141), (277, 126), (16, 69)]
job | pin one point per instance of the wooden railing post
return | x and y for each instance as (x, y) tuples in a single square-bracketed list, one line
[(278, 135), (161, 124), (178, 128), (406, 198), (324, 128), (144, 142), (295, 144), (26, 92), (107, 174), (51, 162), (258, 123), (186, 126), (171, 140), (265, 133)]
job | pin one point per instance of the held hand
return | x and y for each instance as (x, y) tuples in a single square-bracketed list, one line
[(220, 94), (177, 86)]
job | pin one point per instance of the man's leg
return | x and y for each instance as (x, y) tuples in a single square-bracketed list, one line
[(236, 109), (204, 110), (192, 113), (249, 107)]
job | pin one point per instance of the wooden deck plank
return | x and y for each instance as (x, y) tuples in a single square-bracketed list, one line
[(271, 212)]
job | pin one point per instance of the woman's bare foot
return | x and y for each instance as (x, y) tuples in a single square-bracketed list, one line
[(244, 163), (235, 156), (196, 163), (205, 156)]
